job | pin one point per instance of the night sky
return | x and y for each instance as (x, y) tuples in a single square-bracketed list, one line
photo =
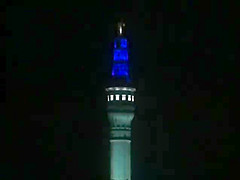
[(58, 63)]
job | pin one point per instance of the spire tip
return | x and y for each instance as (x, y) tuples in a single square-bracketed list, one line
[(121, 25)]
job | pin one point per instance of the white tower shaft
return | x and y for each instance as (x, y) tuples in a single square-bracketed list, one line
[(120, 115), (120, 159)]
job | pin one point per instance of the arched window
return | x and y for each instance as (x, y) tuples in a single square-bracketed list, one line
[(111, 97), (129, 97), (117, 97)]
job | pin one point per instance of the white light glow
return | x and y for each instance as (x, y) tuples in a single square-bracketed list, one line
[(129, 97), (124, 97), (117, 97), (132, 98), (108, 98), (120, 29), (121, 89), (111, 97)]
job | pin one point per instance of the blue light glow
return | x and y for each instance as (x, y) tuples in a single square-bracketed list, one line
[(123, 43), (120, 70), (120, 58), (120, 54)]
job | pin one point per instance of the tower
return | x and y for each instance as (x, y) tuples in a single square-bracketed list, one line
[(120, 109)]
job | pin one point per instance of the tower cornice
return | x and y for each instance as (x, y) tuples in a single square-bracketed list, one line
[(131, 89)]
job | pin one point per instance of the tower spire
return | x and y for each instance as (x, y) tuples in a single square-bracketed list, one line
[(121, 26), (120, 66)]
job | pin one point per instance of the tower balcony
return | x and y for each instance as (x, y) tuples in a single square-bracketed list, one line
[(120, 110), (120, 99)]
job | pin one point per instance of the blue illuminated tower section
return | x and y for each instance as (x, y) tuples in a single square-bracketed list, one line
[(120, 67), (120, 109)]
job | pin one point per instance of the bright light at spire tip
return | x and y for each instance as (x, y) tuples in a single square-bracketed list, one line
[(120, 27)]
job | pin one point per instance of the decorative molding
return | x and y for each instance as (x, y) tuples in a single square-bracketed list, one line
[(121, 89)]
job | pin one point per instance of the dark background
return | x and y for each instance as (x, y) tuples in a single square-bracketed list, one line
[(58, 62)]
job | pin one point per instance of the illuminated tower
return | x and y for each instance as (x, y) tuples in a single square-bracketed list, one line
[(120, 109)]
